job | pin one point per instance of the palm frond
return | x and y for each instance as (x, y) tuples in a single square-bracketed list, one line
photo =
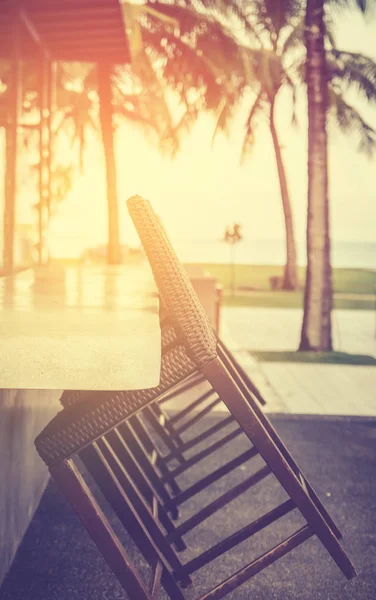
[(330, 27), (185, 124), (156, 96), (237, 11), (225, 115), (135, 117), (292, 86), (350, 122), (353, 71), (192, 13), (294, 40), (281, 12), (251, 123), (365, 6), (273, 16), (268, 70)]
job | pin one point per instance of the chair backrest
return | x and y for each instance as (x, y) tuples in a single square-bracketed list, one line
[(188, 343), (180, 302)]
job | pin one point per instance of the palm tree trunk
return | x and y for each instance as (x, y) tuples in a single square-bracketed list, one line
[(290, 277), (316, 329), (105, 99)]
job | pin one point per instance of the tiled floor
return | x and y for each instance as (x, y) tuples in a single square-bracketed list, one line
[(58, 561)]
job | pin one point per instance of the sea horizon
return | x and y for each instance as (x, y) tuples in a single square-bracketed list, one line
[(344, 254)]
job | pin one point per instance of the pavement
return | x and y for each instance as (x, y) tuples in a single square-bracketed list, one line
[(354, 331), (58, 561), (297, 388)]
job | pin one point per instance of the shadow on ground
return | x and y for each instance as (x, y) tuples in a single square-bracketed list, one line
[(57, 560)]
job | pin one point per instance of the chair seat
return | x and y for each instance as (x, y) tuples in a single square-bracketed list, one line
[(80, 423)]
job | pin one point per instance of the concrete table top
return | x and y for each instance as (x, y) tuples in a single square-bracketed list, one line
[(80, 328)]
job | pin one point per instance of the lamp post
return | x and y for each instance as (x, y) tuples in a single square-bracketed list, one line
[(232, 236)]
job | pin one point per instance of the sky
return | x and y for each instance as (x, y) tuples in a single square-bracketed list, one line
[(204, 188)]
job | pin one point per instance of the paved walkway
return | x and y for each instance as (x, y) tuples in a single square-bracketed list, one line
[(58, 561), (305, 388)]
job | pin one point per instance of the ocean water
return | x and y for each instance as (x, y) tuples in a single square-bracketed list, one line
[(272, 252)]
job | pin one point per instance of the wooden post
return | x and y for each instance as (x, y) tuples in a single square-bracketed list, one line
[(105, 113), (11, 144), (44, 152)]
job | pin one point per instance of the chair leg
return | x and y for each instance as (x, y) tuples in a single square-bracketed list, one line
[(171, 421), (161, 414), (147, 516), (169, 432), (227, 361), (198, 439), (78, 494), (242, 374), (164, 435), (148, 444), (118, 499), (171, 505), (184, 386), (143, 485), (145, 463), (190, 407), (225, 386)]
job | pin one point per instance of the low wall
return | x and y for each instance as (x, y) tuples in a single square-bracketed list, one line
[(23, 476)]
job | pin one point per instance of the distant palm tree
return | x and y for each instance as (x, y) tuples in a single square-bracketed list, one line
[(104, 75), (271, 33), (77, 113), (157, 32), (342, 69), (272, 66)]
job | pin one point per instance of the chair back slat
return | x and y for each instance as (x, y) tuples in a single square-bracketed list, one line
[(178, 297)]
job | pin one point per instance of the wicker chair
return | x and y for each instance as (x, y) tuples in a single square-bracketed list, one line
[(171, 429), (189, 346)]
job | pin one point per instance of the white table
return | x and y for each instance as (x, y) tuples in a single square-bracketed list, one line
[(98, 329)]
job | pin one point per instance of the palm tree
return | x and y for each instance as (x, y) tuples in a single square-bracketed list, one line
[(316, 331), (279, 25), (81, 86), (138, 92), (244, 46), (267, 33), (104, 72), (155, 36)]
